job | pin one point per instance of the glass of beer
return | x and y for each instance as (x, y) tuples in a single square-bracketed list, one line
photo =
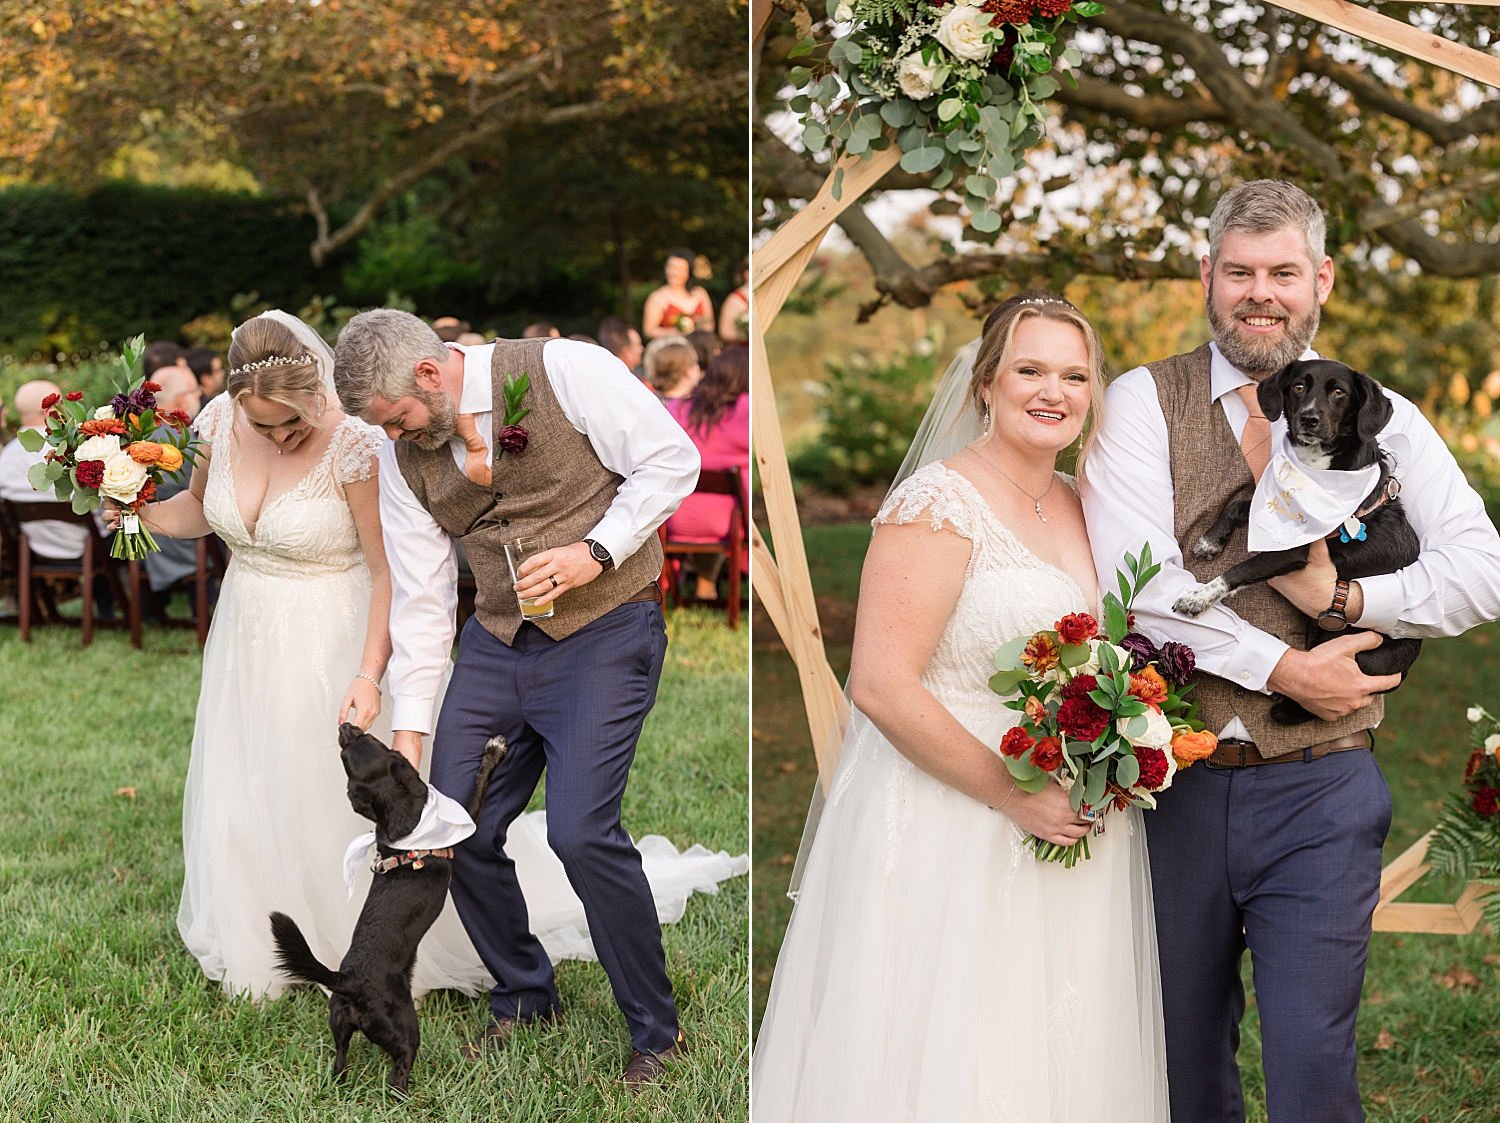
[(516, 553)]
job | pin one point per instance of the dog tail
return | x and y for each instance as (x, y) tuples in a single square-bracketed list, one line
[(494, 753), (296, 958)]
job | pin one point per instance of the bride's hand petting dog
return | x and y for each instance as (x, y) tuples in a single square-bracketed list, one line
[(1334, 417), (371, 990)]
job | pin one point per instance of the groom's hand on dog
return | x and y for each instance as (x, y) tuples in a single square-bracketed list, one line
[(1327, 680), (570, 566), (1310, 589)]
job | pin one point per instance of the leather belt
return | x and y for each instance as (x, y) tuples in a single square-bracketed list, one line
[(650, 592), (1243, 754)]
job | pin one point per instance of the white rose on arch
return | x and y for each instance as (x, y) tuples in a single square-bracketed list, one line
[(843, 13), (123, 478), (963, 32), (1491, 743), (915, 77)]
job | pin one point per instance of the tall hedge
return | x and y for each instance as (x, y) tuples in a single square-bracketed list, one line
[(78, 269)]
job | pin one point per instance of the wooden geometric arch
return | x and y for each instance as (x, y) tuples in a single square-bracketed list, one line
[(783, 584)]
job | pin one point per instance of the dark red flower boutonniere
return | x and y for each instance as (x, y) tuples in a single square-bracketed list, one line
[(512, 438)]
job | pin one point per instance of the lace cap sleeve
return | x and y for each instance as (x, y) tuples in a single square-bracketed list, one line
[(216, 419), (937, 495), (357, 451)]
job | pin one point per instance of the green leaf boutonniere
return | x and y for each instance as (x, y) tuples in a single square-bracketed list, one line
[(512, 438)]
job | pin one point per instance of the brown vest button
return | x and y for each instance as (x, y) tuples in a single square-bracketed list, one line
[(504, 522), (1239, 691), (499, 495)]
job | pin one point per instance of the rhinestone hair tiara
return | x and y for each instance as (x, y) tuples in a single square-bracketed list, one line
[(273, 361), (1045, 300)]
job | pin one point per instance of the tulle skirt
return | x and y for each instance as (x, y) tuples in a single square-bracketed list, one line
[(935, 972)]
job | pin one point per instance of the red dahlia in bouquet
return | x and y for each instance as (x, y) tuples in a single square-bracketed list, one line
[(1107, 717), (120, 450)]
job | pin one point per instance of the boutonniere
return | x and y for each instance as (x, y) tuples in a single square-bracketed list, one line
[(512, 438)]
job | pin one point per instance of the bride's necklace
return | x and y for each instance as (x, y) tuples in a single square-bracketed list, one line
[(1036, 500)]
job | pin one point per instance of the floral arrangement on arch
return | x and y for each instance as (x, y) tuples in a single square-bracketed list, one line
[(120, 450), (962, 83), (1466, 842), (1107, 717)]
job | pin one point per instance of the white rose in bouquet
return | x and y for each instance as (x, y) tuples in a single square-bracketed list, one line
[(101, 447), (104, 413), (843, 13), (123, 478), (915, 77), (1157, 734), (1122, 658), (963, 32), (1491, 743)]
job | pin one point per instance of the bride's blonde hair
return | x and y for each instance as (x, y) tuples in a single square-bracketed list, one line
[(267, 360), (998, 344)]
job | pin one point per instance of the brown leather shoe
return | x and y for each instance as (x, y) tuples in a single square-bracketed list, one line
[(644, 1069), (498, 1032)]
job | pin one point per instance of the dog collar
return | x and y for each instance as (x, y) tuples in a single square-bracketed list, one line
[(1352, 529), (412, 858)]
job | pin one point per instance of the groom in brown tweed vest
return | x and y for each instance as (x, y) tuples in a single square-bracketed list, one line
[(521, 439), (1274, 843)]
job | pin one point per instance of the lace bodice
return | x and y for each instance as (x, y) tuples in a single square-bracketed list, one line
[(1008, 591), (307, 531)]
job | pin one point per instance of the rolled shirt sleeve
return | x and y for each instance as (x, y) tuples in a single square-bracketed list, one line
[(1128, 501), (632, 434), (424, 598)]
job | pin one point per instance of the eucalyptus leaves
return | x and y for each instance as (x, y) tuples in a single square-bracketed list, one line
[(962, 83)]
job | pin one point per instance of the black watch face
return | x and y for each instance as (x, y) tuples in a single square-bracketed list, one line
[(601, 555)]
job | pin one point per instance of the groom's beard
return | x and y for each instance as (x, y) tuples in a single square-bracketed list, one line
[(442, 419), (1258, 354)]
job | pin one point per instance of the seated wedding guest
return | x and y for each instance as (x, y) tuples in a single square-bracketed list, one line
[(581, 338), (706, 344), (449, 328), (734, 316), (470, 339), (675, 309), (542, 330), (178, 557), (162, 353), (49, 538), (206, 364), (672, 368), (622, 341), (716, 416)]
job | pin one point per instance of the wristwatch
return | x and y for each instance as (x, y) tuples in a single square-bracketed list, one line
[(1332, 619), (599, 554)]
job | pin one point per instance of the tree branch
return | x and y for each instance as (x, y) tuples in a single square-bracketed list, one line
[(1379, 215), (1148, 112), (1445, 259), (1374, 95), (1251, 109)]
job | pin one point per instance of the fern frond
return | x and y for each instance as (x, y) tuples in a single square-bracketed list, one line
[(1465, 844), (882, 11)]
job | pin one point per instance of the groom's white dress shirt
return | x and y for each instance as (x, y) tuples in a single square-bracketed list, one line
[(1128, 500), (630, 431)]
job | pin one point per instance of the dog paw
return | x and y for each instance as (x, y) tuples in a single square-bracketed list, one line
[(1206, 547), (1201, 599)]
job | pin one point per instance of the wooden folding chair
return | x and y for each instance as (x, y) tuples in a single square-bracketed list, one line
[(732, 545), (211, 561), (32, 568)]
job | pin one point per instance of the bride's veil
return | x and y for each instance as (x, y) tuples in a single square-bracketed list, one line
[(949, 424), (316, 346)]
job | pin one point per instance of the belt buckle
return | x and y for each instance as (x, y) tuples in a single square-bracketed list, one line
[(1227, 767)]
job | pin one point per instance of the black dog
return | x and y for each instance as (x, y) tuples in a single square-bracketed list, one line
[(1334, 415), (372, 987)]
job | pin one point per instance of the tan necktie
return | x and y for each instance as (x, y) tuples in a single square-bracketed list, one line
[(477, 458), (1255, 438)]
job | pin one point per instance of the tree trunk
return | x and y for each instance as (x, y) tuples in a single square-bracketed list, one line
[(618, 229)]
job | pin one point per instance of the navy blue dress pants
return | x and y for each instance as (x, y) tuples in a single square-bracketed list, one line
[(1283, 858), (574, 706)]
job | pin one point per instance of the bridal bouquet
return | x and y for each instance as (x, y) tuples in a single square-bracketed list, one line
[(120, 450), (1107, 717), (1466, 842), (961, 82)]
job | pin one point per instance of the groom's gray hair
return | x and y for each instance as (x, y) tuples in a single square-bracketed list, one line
[(1264, 206), (377, 354)]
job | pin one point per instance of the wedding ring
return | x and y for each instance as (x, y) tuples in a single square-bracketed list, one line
[(553, 580)]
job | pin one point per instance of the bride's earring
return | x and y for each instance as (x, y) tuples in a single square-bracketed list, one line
[(986, 419)]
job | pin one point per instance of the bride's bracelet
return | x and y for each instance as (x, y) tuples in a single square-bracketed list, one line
[(376, 681), (1006, 800)]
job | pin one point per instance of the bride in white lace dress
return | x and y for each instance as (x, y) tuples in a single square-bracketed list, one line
[(933, 970), (299, 638)]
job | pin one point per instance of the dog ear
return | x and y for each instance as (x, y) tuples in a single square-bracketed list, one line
[(1375, 408), (405, 775), (349, 733), (1272, 391)]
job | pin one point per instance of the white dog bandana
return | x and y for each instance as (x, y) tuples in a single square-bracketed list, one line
[(1295, 504), (444, 822)]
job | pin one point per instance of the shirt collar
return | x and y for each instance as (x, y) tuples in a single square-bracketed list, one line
[(1224, 376), (478, 393)]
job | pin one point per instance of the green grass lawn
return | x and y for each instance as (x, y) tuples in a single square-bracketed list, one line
[(105, 1016), (1440, 1058)]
